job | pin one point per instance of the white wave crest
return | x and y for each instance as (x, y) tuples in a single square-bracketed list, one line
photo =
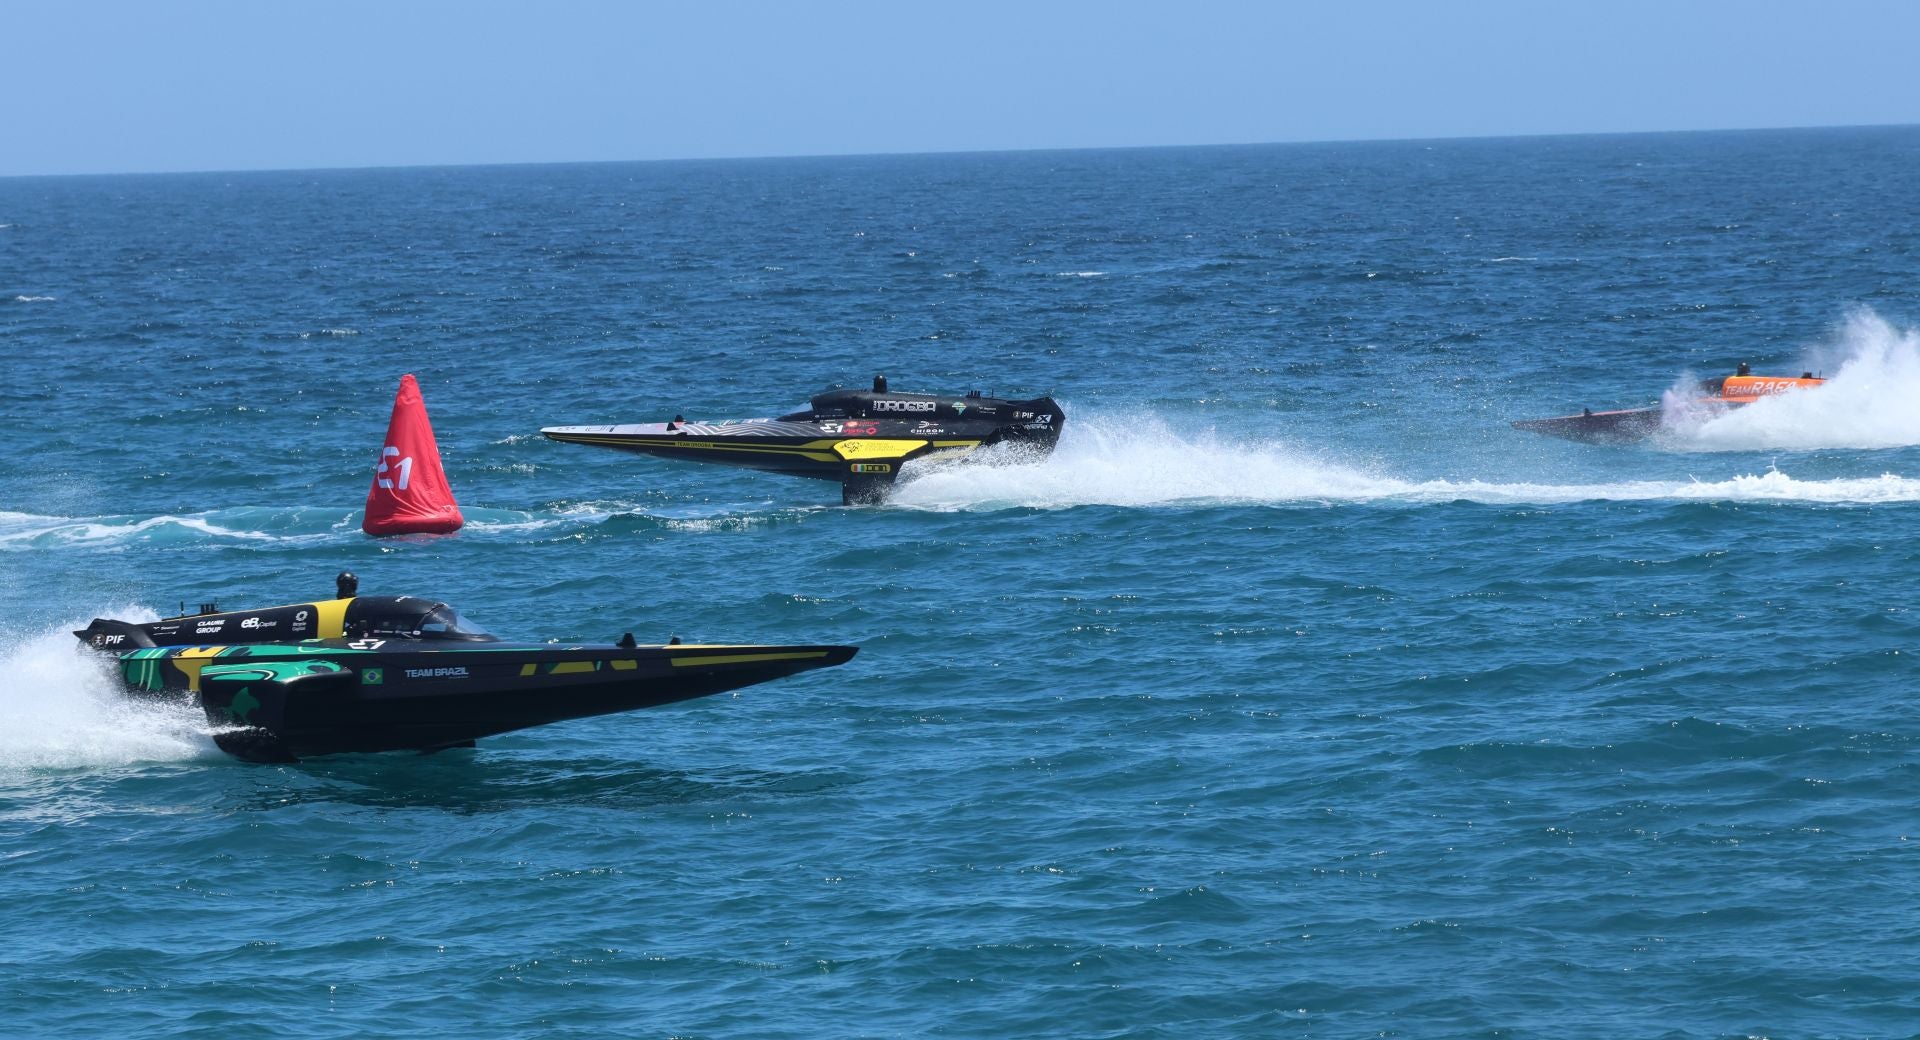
[(32, 299), (1150, 465), (29, 531), (1872, 400), (62, 707)]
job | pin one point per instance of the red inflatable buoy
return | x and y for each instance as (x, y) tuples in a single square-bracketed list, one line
[(410, 493)]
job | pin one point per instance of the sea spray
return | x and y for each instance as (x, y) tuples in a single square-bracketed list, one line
[(62, 707), (1870, 400)]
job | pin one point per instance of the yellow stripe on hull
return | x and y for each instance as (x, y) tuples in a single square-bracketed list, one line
[(877, 449), (192, 659)]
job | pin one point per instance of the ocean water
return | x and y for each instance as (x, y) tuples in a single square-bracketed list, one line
[(1296, 695)]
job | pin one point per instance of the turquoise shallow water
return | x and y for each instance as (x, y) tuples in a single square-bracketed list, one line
[(1296, 695)]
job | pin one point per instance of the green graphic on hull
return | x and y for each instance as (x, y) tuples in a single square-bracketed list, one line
[(244, 702), (141, 669)]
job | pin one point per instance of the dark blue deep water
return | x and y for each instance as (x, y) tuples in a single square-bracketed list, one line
[(1297, 695)]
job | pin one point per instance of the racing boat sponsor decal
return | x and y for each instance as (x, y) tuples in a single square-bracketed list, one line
[(436, 673)]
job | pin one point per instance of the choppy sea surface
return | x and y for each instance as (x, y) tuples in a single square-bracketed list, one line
[(1296, 695)]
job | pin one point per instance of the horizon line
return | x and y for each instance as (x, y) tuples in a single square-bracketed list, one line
[(954, 151)]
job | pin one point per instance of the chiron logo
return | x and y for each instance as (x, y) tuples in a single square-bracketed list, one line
[(903, 406)]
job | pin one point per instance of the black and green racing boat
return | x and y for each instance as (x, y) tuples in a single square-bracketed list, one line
[(394, 673)]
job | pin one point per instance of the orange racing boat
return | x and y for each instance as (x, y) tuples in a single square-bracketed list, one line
[(1625, 425)]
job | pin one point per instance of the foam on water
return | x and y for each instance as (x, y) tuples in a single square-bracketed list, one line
[(249, 525), (1103, 462), (62, 708), (1872, 399)]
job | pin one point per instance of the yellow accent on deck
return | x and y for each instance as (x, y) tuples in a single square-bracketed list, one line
[(574, 667), (330, 618)]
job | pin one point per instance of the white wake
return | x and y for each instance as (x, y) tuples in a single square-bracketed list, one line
[(1143, 465), (62, 707)]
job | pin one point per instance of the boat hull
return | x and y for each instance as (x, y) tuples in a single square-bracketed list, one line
[(1627, 425), (1623, 426), (859, 443), (286, 701)]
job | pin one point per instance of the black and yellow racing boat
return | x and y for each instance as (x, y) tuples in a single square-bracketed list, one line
[(393, 673), (860, 438)]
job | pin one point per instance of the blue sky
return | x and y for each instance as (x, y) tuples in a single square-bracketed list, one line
[(100, 86)]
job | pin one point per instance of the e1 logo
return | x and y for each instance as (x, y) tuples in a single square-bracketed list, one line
[(405, 466)]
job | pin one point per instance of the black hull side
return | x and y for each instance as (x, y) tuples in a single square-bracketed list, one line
[(1615, 427), (314, 725), (282, 704)]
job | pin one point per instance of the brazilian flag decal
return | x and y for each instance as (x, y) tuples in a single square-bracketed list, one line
[(373, 676)]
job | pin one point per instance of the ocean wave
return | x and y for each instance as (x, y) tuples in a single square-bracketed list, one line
[(303, 526), (30, 531)]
